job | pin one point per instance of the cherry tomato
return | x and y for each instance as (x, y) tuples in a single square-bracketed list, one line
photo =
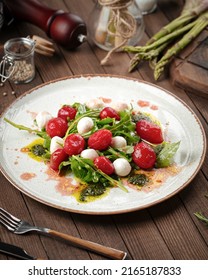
[(56, 127), (56, 158), (144, 156), (100, 140), (109, 112), (74, 144), (67, 113), (104, 164), (149, 131)]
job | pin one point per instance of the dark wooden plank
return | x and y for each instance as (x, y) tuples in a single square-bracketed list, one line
[(165, 231), (141, 235), (119, 65), (171, 9), (193, 46), (190, 77), (55, 249), (201, 104), (63, 221), (55, 219), (7, 96), (101, 230), (145, 72), (12, 201), (165, 84), (189, 71), (198, 189), (200, 56), (178, 231)]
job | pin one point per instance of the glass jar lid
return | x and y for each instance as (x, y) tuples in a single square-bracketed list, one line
[(19, 47)]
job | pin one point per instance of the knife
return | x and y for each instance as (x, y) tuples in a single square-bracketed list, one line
[(15, 251)]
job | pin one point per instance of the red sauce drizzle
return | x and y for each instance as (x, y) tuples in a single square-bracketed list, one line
[(143, 103), (27, 176), (65, 185)]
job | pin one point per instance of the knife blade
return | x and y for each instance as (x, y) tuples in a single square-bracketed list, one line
[(15, 251)]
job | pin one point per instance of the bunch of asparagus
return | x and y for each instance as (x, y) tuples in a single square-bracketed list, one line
[(183, 30)]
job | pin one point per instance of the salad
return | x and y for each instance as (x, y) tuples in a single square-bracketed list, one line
[(101, 146)]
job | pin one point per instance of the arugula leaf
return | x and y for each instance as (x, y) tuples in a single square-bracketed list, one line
[(82, 169), (40, 133), (125, 127), (81, 108), (104, 123), (73, 124), (165, 155), (113, 154), (85, 170)]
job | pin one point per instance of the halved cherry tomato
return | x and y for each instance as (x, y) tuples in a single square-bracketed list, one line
[(149, 131), (56, 127), (67, 113), (74, 144), (109, 112), (104, 164), (144, 156), (100, 140), (57, 157)]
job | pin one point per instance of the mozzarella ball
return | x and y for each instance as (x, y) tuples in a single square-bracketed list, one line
[(56, 143), (95, 103), (85, 125), (118, 142), (120, 106), (89, 153), (42, 119), (122, 167)]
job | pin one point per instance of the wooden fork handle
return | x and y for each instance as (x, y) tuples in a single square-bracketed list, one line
[(91, 246)]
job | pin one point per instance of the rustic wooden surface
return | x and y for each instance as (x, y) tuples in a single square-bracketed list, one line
[(189, 69), (165, 231)]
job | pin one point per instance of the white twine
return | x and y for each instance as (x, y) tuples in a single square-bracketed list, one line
[(123, 21)]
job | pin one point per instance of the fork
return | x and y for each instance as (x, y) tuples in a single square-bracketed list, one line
[(42, 46), (18, 226)]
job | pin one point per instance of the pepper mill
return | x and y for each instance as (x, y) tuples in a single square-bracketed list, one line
[(66, 29)]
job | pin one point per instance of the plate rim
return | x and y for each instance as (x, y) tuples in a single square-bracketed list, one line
[(112, 212)]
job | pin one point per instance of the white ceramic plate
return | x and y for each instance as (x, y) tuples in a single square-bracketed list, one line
[(183, 125)]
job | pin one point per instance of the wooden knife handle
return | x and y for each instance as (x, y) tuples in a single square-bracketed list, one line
[(91, 246)]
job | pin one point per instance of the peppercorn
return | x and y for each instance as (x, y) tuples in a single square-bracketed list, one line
[(22, 71)]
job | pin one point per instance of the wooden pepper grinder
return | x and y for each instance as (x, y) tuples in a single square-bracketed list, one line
[(65, 29)]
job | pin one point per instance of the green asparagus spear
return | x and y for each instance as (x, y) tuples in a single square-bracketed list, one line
[(198, 26), (190, 23), (201, 217)]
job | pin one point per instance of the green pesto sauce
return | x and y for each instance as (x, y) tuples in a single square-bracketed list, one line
[(85, 195), (30, 148)]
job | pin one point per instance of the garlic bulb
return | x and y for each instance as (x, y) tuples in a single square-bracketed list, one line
[(147, 6)]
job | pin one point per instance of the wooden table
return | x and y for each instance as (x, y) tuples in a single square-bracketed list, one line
[(165, 231)]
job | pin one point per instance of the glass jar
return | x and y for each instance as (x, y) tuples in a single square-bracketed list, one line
[(19, 60), (104, 27), (147, 6)]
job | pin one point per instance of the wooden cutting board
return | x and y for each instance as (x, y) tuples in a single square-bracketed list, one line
[(190, 70)]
